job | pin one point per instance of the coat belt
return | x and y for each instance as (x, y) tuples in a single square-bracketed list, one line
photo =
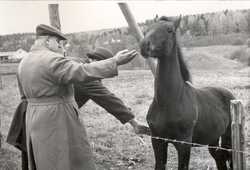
[(50, 100)]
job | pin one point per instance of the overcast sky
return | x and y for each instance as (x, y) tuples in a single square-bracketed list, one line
[(77, 16)]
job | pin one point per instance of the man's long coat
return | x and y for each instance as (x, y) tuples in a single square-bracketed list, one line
[(56, 139)]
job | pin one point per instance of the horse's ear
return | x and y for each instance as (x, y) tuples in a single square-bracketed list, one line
[(177, 22)]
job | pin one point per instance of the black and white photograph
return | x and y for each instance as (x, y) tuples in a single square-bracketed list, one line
[(124, 85)]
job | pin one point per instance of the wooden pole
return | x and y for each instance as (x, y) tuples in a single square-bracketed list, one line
[(238, 135), (137, 32), (1, 82), (0, 140), (54, 16), (0, 132)]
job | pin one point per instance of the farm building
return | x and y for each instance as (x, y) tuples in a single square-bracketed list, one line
[(12, 56), (4, 56)]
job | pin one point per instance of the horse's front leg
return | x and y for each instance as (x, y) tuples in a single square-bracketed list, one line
[(161, 152), (183, 151)]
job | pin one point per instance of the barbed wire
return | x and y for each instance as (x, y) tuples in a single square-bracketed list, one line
[(195, 144)]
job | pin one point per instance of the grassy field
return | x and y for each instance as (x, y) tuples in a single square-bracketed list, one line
[(115, 146)]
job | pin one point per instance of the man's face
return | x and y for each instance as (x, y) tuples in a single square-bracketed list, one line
[(61, 47), (54, 44)]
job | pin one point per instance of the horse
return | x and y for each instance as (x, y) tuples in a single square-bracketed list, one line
[(179, 111)]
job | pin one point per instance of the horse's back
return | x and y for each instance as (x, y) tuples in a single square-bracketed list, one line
[(218, 95)]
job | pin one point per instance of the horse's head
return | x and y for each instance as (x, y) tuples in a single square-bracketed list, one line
[(160, 38)]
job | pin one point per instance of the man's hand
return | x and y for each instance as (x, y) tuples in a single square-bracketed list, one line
[(124, 56), (140, 129)]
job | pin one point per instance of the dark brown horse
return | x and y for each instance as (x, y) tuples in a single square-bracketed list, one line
[(180, 111)]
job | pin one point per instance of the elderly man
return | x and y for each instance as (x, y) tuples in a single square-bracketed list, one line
[(55, 138), (95, 91)]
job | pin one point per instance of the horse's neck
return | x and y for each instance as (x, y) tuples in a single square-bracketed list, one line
[(169, 82)]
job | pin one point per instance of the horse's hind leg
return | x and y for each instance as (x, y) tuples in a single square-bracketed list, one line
[(219, 156), (183, 156), (160, 150)]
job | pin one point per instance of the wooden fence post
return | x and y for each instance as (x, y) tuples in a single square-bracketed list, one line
[(1, 87), (238, 135), (0, 132)]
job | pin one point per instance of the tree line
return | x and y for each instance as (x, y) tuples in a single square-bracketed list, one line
[(192, 26)]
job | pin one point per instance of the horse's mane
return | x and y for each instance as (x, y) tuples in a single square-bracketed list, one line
[(183, 66)]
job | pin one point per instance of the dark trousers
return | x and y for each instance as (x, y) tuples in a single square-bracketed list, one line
[(25, 161)]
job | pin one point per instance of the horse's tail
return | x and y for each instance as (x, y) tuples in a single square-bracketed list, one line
[(224, 156), (226, 139), (226, 142), (225, 96)]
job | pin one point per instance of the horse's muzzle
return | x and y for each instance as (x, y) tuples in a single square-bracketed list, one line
[(144, 47)]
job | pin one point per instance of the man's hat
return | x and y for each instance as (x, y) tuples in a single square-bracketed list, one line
[(100, 53), (43, 30)]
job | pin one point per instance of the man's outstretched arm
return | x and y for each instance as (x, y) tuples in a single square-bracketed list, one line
[(102, 96)]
